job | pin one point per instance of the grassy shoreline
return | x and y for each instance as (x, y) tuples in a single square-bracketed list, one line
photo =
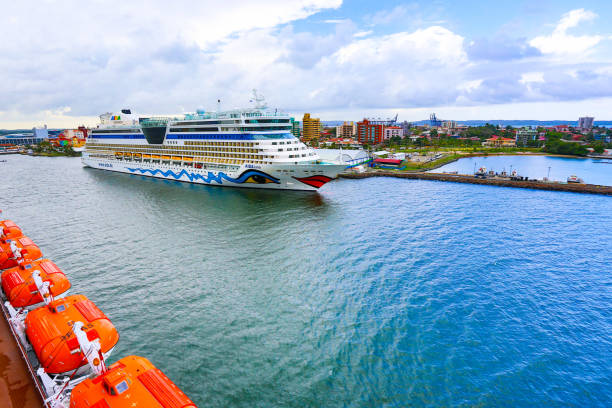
[(416, 167)]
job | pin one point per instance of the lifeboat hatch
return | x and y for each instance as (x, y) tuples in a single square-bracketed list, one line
[(115, 383), (58, 308)]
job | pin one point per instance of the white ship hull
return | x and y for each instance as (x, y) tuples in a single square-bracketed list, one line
[(304, 177)]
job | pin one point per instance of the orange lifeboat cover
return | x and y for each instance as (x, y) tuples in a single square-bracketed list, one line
[(49, 329), (10, 229), (19, 286), (131, 382), (29, 252)]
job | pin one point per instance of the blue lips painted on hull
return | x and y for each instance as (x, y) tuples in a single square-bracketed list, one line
[(254, 176)]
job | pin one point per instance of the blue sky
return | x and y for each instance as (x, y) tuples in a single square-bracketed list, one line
[(63, 63)]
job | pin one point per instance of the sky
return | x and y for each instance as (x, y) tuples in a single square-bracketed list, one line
[(62, 63)]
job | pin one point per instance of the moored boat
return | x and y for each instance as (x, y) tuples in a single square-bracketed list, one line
[(15, 251), (131, 382), (252, 148), (32, 282), (481, 173), (574, 179)]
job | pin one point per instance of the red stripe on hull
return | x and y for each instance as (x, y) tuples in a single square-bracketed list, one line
[(314, 181)]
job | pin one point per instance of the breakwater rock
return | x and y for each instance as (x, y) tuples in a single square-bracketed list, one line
[(458, 178)]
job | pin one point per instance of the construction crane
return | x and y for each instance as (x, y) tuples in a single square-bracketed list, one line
[(434, 121), (380, 121)]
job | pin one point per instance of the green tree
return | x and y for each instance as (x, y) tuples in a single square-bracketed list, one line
[(598, 147)]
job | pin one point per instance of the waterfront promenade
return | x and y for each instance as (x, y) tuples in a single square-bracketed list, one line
[(458, 178), (17, 388)]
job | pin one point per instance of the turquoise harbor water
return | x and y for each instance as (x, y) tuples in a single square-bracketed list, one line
[(373, 293), (592, 171)]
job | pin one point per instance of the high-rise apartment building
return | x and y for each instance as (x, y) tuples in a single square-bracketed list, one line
[(371, 133), (346, 130), (586, 123), (393, 131), (311, 128)]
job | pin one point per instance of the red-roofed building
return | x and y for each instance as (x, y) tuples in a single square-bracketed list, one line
[(562, 128), (499, 141), (387, 163)]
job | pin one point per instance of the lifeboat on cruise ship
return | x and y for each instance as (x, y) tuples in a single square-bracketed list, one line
[(26, 284), (131, 382), (15, 251), (51, 333), (9, 230)]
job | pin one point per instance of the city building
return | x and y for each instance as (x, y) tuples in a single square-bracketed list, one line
[(342, 141), (449, 124), (346, 130), (562, 128), (296, 131), (311, 128), (406, 126), (498, 141), (22, 139), (370, 132), (524, 135), (585, 123), (41, 132), (393, 131)]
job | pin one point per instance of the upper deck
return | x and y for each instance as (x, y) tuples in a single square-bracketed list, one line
[(236, 137), (238, 124)]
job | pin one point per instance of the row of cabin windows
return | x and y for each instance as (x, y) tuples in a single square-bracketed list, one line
[(188, 143), (227, 129), (203, 160), (134, 130), (177, 149)]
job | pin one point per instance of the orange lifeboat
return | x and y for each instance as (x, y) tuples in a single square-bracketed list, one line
[(8, 230), (19, 285), (49, 330), (26, 248), (131, 382)]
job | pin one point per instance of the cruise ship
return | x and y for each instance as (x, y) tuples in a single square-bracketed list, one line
[(239, 148)]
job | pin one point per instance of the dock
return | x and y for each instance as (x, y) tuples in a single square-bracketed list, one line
[(17, 388), (459, 178)]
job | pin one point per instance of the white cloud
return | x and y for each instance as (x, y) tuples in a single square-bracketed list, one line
[(159, 61), (387, 16), (561, 43), (528, 77), (469, 86), (361, 34)]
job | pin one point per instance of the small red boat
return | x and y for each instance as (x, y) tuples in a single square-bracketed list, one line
[(22, 287), (15, 251)]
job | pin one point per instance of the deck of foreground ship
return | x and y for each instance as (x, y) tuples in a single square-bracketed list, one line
[(17, 388)]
